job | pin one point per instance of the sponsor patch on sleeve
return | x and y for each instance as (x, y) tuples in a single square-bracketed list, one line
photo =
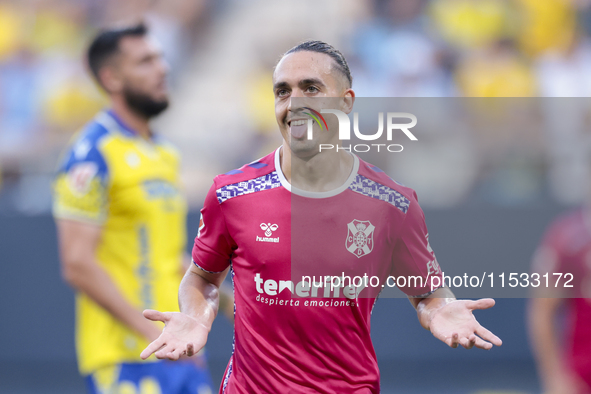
[(80, 177)]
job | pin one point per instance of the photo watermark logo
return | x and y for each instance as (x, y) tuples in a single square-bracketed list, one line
[(345, 130)]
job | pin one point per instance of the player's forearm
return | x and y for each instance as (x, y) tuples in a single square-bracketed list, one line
[(199, 298), (544, 339), (426, 307), (91, 279)]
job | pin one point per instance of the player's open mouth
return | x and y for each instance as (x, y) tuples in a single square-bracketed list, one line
[(297, 127), (297, 122)]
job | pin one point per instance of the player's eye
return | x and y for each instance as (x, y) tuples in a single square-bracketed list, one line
[(146, 61), (281, 92), (312, 89)]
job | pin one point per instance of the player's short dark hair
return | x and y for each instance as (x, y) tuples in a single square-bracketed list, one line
[(106, 44), (323, 47)]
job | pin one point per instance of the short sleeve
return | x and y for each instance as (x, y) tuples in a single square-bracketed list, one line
[(549, 256), (213, 246), (413, 259), (80, 189)]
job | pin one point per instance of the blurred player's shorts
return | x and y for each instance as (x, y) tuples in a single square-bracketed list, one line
[(161, 377)]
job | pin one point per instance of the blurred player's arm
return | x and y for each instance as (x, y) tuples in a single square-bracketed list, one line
[(542, 315), (185, 332), (452, 321), (78, 242)]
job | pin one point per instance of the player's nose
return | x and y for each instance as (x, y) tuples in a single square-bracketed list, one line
[(297, 93), (162, 67)]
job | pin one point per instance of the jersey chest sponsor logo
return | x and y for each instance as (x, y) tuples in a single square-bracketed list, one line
[(360, 237), (159, 189), (308, 287), (268, 228)]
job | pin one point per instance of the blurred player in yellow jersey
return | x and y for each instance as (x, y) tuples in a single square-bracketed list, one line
[(121, 224)]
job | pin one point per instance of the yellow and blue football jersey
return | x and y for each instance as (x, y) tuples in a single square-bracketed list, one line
[(112, 177)]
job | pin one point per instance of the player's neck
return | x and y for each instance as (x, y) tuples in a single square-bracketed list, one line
[(132, 120), (321, 173)]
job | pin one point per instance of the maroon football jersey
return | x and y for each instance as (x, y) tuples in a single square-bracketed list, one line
[(289, 336), (566, 249)]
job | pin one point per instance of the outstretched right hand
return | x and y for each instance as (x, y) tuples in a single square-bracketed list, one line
[(182, 335)]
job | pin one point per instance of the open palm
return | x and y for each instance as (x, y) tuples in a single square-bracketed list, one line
[(182, 335), (455, 325)]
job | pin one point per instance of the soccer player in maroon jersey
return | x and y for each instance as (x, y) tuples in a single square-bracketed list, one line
[(290, 336), (564, 361)]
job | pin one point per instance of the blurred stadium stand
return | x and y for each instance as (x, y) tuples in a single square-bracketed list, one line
[(222, 54)]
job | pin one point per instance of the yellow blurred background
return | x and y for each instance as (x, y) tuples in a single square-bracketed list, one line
[(222, 54)]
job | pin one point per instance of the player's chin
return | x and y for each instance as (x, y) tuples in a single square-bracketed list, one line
[(161, 97), (302, 147), (158, 93)]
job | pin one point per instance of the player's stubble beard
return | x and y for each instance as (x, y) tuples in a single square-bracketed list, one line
[(144, 105)]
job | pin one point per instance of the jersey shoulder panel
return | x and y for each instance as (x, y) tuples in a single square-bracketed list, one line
[(87, 147), (80, 186), (253, 177), (372, 182)]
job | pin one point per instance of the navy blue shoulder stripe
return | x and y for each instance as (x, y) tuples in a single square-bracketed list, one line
[(264, 182), (86, 150), (367, 187)]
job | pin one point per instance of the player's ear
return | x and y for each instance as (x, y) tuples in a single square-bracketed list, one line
[(110, 79), (348, 101)]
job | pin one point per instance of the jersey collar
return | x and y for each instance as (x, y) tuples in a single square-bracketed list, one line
[(305, 193), (121, 125)]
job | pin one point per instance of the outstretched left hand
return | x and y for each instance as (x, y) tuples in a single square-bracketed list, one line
[(454, 324)]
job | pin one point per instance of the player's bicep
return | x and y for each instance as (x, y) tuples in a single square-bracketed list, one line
[(548, 259), (213, 246), (544, 306), (77, 242), (215, 278)]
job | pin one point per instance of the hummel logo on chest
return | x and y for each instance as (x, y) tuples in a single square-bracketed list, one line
[(268, 228)]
